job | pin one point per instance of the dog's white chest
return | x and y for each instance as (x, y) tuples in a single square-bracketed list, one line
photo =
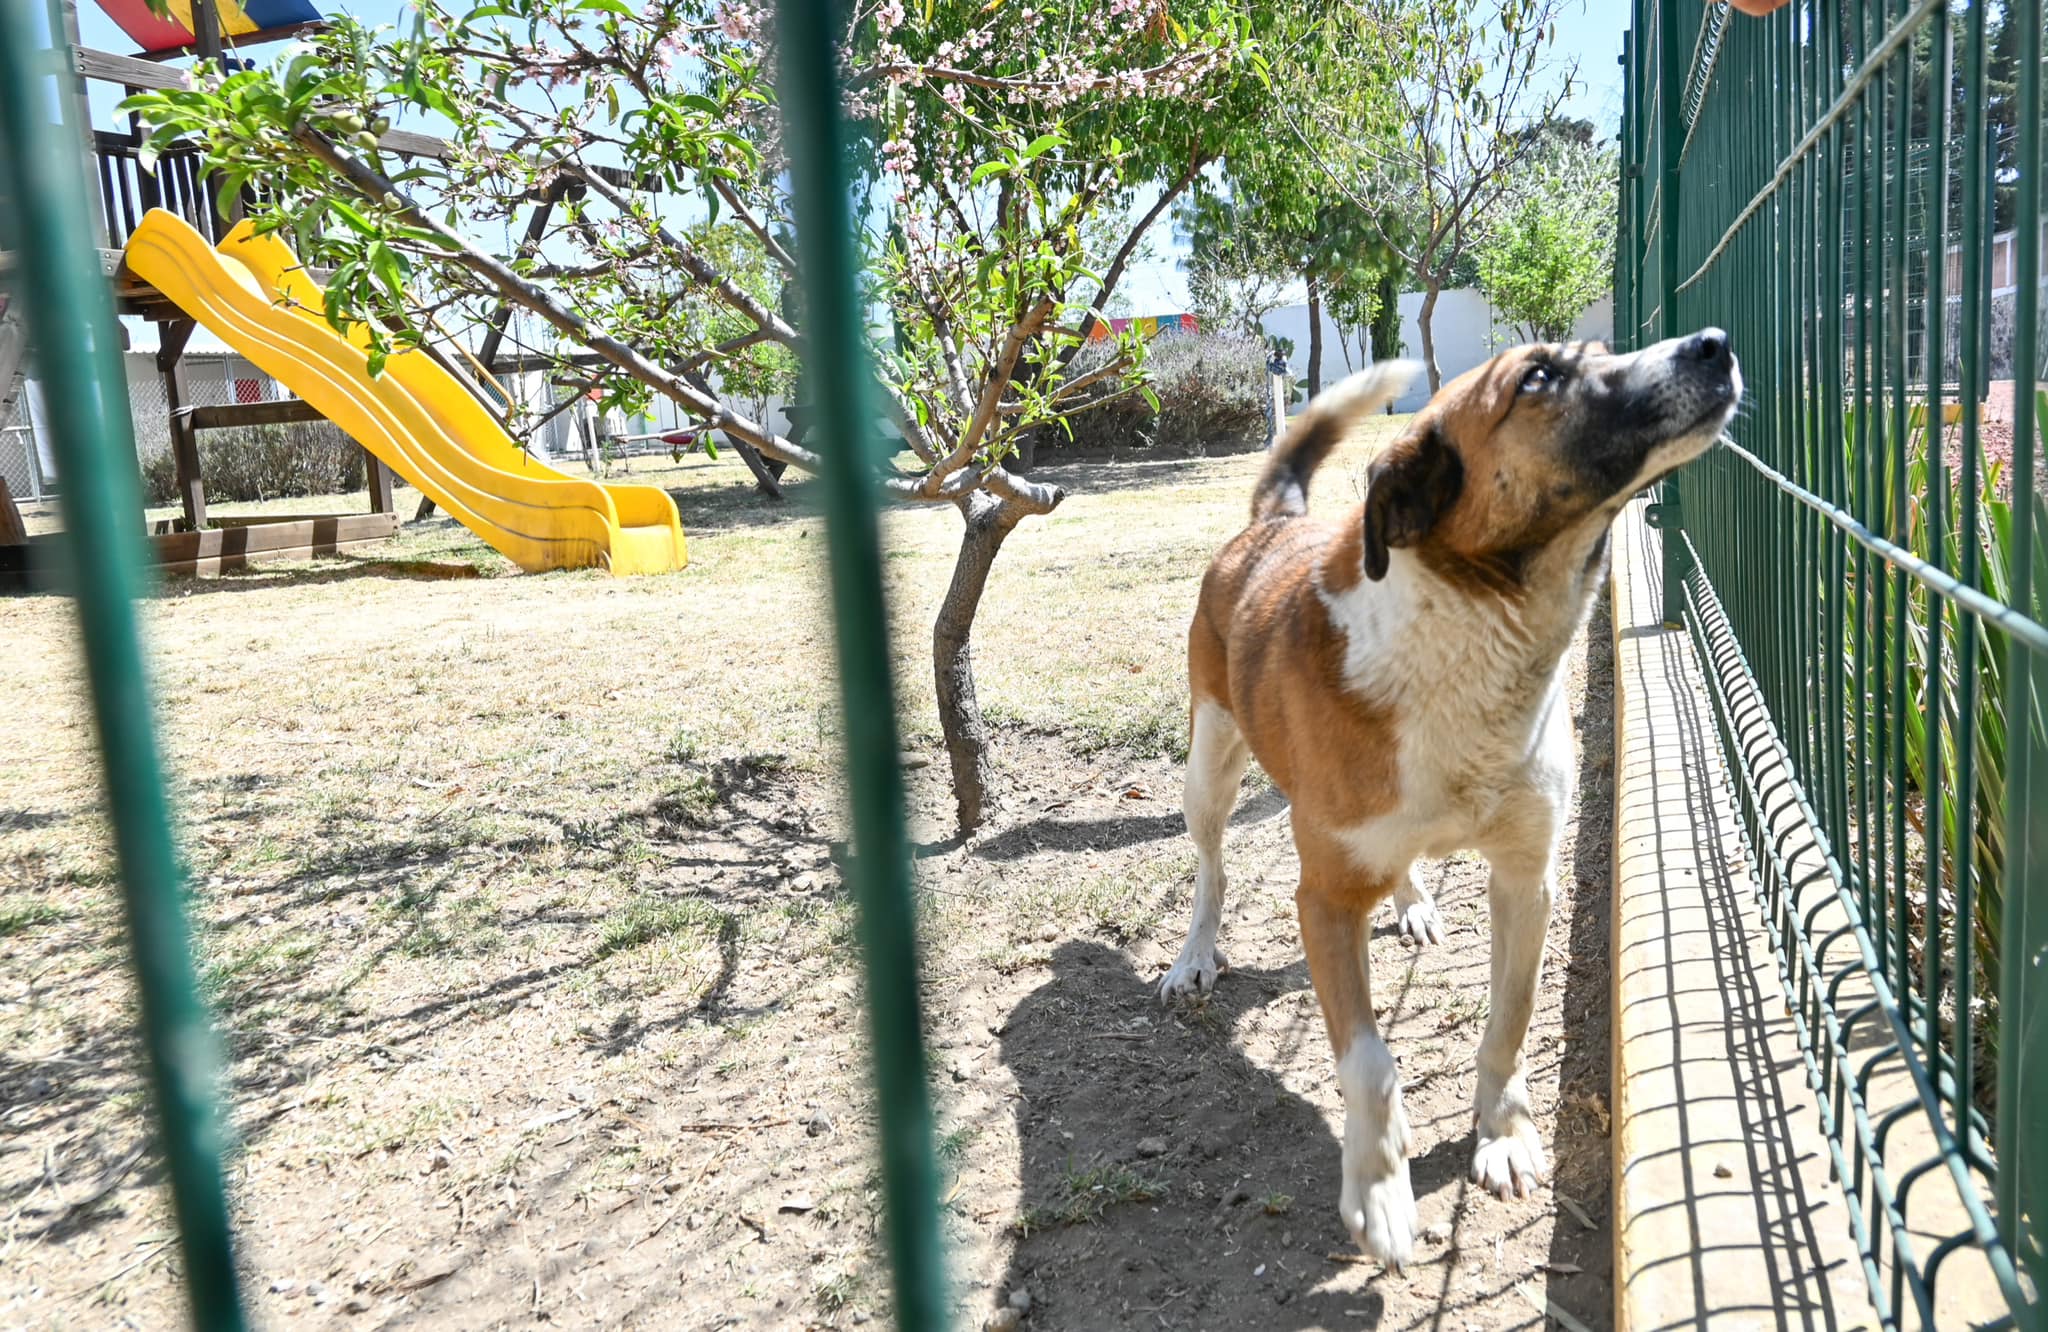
[(1479, 725)]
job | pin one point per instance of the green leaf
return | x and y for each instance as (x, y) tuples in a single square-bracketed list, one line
[(356, 221), (384, 262), (1042, 144), (985, 170)]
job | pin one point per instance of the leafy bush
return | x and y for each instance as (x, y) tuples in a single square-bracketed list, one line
[(264, 462), (1212, 399), (1976, 830)]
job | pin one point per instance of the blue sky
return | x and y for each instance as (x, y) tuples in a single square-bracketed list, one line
[(1587, 30)]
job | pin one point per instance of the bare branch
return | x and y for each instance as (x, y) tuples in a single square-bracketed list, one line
[(753, 224), (1122, 258), (1033, 497), (515, 289), (993, 386)]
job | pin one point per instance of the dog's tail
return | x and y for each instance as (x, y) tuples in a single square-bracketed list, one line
[(1328, 420)]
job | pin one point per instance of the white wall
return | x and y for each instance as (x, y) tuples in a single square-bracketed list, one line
[(1465, 326)]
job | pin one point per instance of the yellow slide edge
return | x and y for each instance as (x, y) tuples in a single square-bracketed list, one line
[(416, 418)]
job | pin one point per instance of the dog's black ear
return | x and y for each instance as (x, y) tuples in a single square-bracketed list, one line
[(1407, 489)]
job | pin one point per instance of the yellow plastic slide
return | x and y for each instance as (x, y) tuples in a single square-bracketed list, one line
[(253, 294)]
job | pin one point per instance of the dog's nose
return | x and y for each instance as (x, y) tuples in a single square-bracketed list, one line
[(1709, 345)]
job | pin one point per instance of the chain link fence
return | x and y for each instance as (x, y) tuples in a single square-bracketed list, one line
[(19, 463), (211, 379)]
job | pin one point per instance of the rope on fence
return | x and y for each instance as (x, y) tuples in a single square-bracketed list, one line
[(1852, 92), (2023, 628)]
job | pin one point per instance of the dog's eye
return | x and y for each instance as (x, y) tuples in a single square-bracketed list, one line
[(1539, 377)]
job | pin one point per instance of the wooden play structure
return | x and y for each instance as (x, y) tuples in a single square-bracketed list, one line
[(182, 259)]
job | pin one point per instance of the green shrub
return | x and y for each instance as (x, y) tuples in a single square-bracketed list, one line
[(265, 462), (1975, 829), (1212, 399)]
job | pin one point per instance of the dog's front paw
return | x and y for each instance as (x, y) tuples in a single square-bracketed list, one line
[(1510, 1163), (1194, 973), (1380, 1215), (1419, 923)]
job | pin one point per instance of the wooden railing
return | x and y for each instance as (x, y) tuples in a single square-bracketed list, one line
[(127, 190)]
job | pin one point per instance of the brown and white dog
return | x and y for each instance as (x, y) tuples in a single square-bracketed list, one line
[(1398, 674)]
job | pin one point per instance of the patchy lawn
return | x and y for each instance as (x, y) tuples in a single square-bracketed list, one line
[(519, 901)]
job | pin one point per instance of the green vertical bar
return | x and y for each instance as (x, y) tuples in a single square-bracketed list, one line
[(1831, 798), (1895, 509), (1673, 65), (1936, 510), (1860, 395), (69, 313), (1971, 338), (2022, 1184), (837, 362), (1630, 167)]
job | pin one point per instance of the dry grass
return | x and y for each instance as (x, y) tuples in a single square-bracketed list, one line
[(507, 889)]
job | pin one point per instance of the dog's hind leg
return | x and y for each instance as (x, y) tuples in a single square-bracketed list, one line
[(1509, 1159), (1415, 912), (1217, 755), (1377, 1202)]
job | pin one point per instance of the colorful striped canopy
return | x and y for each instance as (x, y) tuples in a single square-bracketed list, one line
[(1148, 327), (238, 18)]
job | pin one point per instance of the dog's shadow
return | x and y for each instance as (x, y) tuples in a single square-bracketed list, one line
[(1168, 1180)]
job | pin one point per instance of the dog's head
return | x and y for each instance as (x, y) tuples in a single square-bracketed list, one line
[(1540, 442)]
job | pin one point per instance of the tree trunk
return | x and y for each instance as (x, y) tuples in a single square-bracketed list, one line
[(989, 522), (1386, 322), (1315, 336), (1386, 319), (765, 482), (1422, 319)]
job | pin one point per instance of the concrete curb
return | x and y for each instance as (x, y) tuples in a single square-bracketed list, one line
[(1725, 1212)]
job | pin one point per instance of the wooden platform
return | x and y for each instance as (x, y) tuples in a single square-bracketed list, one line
[(236, 544)]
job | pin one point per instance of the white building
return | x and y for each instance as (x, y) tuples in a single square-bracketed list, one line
[(1466, 327)]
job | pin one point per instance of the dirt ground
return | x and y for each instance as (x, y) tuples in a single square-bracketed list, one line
[(518, 898)]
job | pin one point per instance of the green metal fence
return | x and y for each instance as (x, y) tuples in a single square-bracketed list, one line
[(44, 221), (1853, 190)]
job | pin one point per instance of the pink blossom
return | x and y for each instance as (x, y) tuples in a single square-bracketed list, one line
[(739, 22)]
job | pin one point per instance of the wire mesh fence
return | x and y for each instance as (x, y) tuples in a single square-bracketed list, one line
[(21, 463), (1863, 566)]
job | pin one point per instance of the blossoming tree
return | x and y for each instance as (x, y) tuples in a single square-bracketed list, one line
[(998, 138)]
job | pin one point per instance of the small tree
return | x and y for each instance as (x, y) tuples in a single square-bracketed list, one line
[(1476, 82), (1237, 275), (996, 134), (1552, 254)]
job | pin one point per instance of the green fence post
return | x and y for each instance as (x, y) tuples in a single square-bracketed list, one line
[(1674, 65), (2022, 1194), (69, 312), (837, 367)]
